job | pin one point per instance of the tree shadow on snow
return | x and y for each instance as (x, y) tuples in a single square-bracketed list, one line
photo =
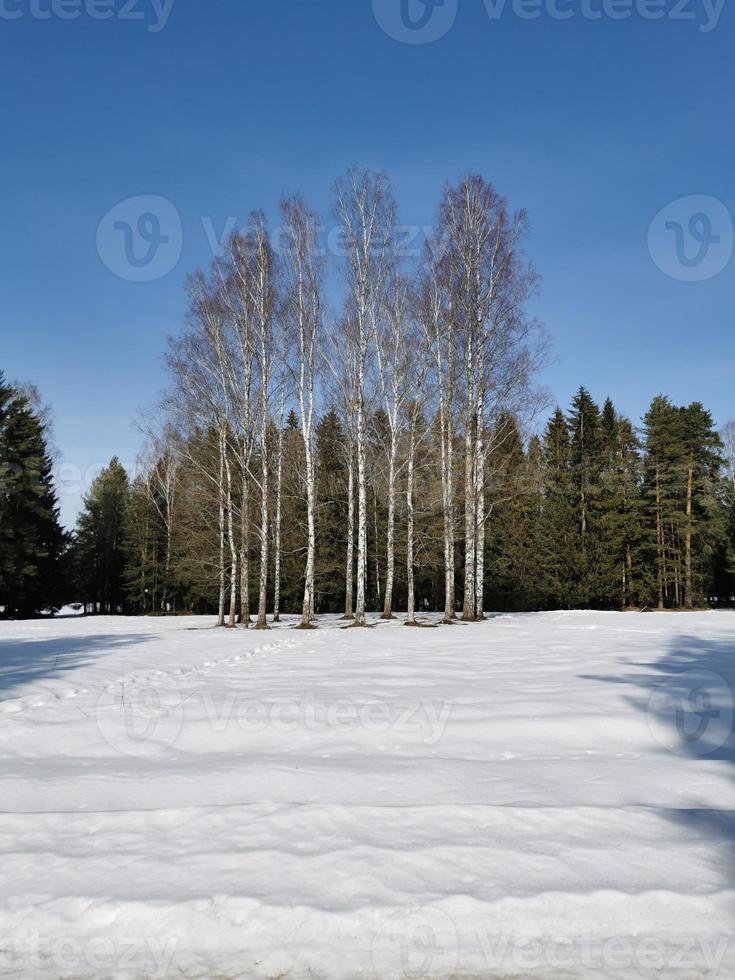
[(688, 697), (23, 661)]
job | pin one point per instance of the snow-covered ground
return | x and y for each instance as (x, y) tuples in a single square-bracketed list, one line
[(545, 796)]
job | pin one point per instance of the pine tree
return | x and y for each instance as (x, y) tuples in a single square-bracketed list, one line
[(102, 541), (621, 578), (32, 542), (7, 569), (331, 517), (704, 519), (557, 532), (685, 500), (513, 504), (585, 460)]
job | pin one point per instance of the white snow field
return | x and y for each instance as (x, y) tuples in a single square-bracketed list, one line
[(537, 796)]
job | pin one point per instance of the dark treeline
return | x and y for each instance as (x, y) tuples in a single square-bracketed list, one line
[(591, 514)]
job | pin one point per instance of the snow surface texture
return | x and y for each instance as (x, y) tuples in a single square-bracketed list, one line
[(546, 796)]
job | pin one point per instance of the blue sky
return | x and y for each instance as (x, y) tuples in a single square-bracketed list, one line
[(593, 125)]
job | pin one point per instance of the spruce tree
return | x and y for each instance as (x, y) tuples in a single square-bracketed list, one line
[(621, 579), (6, 532), (331, 515), (102, 541), (32, 542), (557, 533), (510, 557), (585, 466), (685, 500), (704, 523)]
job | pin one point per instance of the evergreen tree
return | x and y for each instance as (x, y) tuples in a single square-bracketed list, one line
[(661, 463), (685, 502), (102, 541), (145, 547), (704, 518), (557, 533), (621, 572), (513, 476), (585, 467), (32, 542), (6, 531), (331, 514)]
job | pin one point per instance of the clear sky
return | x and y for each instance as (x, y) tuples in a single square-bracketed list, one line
[(594, 124)]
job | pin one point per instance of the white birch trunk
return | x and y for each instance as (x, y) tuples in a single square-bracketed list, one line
[(411, 606), (245, 550), (277, 530), (262, 623), (480, 518), (470, 523), (221, 492), (391, 534), (305, 269), (447, 457), (230, 537), (361, 503), (307, 610), (349, 596)]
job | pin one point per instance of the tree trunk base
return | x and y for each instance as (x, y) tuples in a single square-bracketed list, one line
[(262, 626), (276, 619), (359, 625), (387, 616), (348, 617), (306, 626)]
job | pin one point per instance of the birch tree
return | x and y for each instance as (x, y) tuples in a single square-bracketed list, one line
[(261, 295), (489, 283), (365, 210), (394, 351), (279, 505), (434, 314), (236, 291), (304, 273), (201, 363)]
